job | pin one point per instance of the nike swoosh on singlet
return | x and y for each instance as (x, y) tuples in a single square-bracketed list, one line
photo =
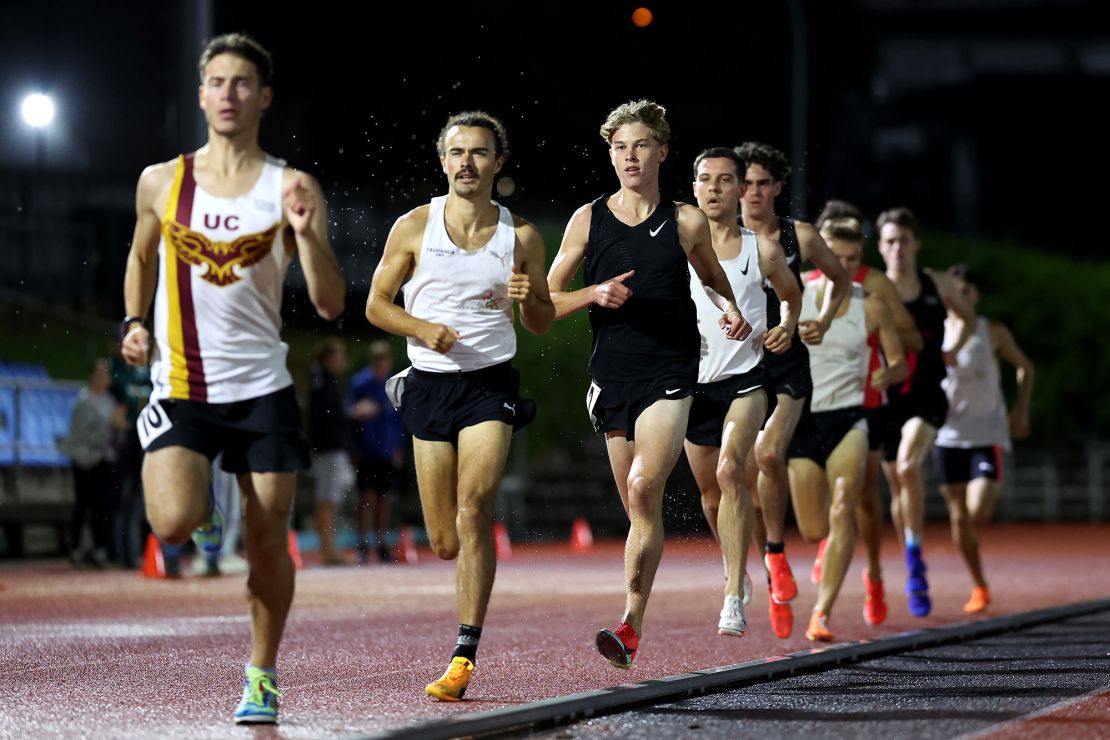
[(656, 230), (747, 263)]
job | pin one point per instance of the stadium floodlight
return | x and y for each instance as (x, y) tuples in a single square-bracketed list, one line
[(38, 110)]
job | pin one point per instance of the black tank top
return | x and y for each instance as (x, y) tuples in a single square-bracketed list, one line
[(927, 367), (654, 335), (788, 238)]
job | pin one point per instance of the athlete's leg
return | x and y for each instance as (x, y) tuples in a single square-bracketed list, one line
[(735, 515), (983, 495), (621, 452), (437, 466), (770, 456), (890, 472), (659, 433), (869, 515), (268, 502), (483, 452), (916, 444), (844, 470), (751, 478), (809, 492), (703, 464), (963, 534), (175, 487)]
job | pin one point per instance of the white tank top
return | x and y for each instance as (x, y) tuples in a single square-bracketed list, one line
[(976, 409), (838, 364), (466, 290), (722, 357), (217, 309)]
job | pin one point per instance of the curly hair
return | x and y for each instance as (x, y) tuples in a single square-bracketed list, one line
[(767, 157)]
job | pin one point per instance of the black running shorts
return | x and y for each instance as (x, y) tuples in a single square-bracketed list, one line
[(436, 406), (928, 404), (615, 407), (961, 465), (712, 402), (259, 435), (818, 434)]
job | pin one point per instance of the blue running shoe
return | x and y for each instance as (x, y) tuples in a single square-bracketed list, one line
[(917, 587), (259, 704), (209, 536)]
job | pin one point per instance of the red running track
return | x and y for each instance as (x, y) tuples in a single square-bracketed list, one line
[(109, 654)]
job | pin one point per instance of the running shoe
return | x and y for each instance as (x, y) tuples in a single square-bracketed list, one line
[(818, 630), (452, 684), (782, 619), (209, 536), (619, 646), (259, 705), (732, 618), (980, 597), (783, 586), (818, 563), (874, 603), (917, 587)]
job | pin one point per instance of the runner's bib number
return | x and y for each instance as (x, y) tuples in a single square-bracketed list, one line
[(152, 423)]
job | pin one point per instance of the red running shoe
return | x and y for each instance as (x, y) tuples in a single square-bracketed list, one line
[(782, 619), (874, 604), (783, 586), (619, 646)]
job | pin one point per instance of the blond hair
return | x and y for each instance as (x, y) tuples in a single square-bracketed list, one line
[(647, 112), (845, 228)]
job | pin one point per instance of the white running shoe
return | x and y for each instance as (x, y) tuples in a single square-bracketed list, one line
[(732, 618)]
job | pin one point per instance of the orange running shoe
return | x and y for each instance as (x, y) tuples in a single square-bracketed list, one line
[(783, 586), (782, 619), (980, 597), (819, 628), (815, 572), (874, 604)]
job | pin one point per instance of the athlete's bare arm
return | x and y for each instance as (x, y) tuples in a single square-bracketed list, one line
[(697, 240), (527, 285), (398, 262), (879, 320), (1007, 348), (609, 294), (881, 286), (773, 266), (141, 277), (307, 215), (813, 249)]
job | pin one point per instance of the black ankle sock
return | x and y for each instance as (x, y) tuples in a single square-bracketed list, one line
[(467, 645), (774, 548)]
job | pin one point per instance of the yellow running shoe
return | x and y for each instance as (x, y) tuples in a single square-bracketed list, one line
[(452, 684)]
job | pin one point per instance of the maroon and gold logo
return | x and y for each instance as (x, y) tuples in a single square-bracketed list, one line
[(221, 257)]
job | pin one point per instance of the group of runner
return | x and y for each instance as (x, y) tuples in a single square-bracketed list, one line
[(705, 337)]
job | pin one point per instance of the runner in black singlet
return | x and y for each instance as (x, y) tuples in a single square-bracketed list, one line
[(646, 344), (790, 385)]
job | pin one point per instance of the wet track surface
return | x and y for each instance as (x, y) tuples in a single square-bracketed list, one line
[(990, 685), (133, 658)]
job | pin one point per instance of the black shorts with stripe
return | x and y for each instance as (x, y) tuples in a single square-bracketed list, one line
[(965, 464), (258, 435), (712, 402), (819, 433)]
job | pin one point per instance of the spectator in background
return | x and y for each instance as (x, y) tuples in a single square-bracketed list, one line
[(329, 434), (379, 447), (98, 424), (131, 388)]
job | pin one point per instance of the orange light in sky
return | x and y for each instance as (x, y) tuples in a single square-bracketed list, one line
[(642, 17)]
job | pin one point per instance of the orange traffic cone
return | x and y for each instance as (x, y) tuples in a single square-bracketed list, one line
[(405, 549), (154, 565), (501, 541), (581, 538), (295, 551)]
